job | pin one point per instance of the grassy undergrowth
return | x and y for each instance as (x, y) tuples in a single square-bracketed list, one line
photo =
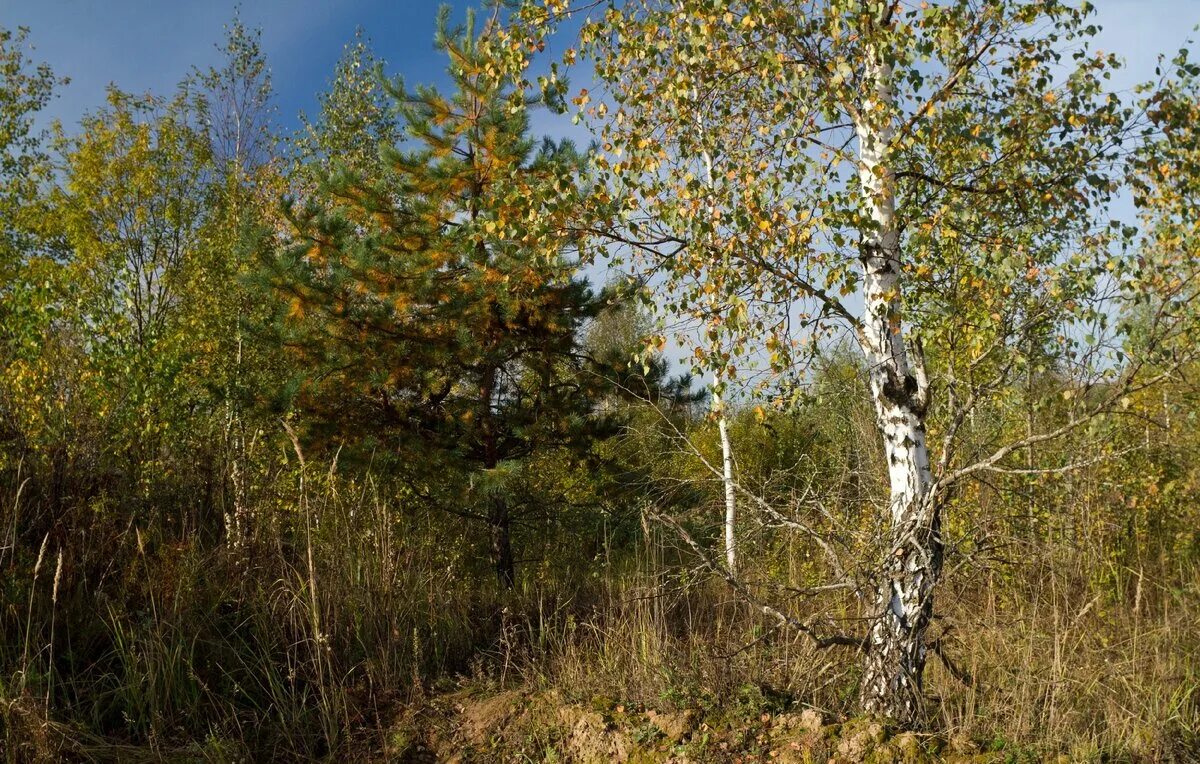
[(372, 638)]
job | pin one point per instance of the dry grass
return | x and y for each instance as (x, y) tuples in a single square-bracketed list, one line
[(311, 640)]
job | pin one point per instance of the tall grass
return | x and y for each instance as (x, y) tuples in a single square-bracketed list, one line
[(347, 604), (284, 647)]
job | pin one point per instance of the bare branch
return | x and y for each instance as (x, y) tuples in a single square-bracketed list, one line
[(746, 595)]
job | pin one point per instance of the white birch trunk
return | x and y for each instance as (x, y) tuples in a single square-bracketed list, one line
[(902, 604), (719, 409), (727, 479)]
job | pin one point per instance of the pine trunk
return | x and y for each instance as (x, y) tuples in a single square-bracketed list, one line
[(502, 555), (499, 521), (902, 601)]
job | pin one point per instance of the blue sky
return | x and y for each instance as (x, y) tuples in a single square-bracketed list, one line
[(151, 44)]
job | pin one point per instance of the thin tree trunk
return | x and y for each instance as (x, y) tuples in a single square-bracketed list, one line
[(719, 406), (502, 555), (727, 480), (499, 521), (1031, 504), (902, 601)]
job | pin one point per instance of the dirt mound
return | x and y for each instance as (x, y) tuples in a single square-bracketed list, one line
[(512, 725)]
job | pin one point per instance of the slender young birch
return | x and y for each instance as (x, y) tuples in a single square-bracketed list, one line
[(728, 484), (718, 403)]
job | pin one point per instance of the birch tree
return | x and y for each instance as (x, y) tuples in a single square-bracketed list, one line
[(26, 302), (131, 215), (928, 181), (729, 489), (234, 109), (234, 102)]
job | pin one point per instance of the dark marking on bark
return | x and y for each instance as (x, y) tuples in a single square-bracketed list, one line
[(905, 394), (871, 252)]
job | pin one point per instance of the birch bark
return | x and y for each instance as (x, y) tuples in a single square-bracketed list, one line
[(719, 407), (727, 479), (902, 600)]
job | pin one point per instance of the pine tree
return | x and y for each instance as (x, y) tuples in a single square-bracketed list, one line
[(433, 293)]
